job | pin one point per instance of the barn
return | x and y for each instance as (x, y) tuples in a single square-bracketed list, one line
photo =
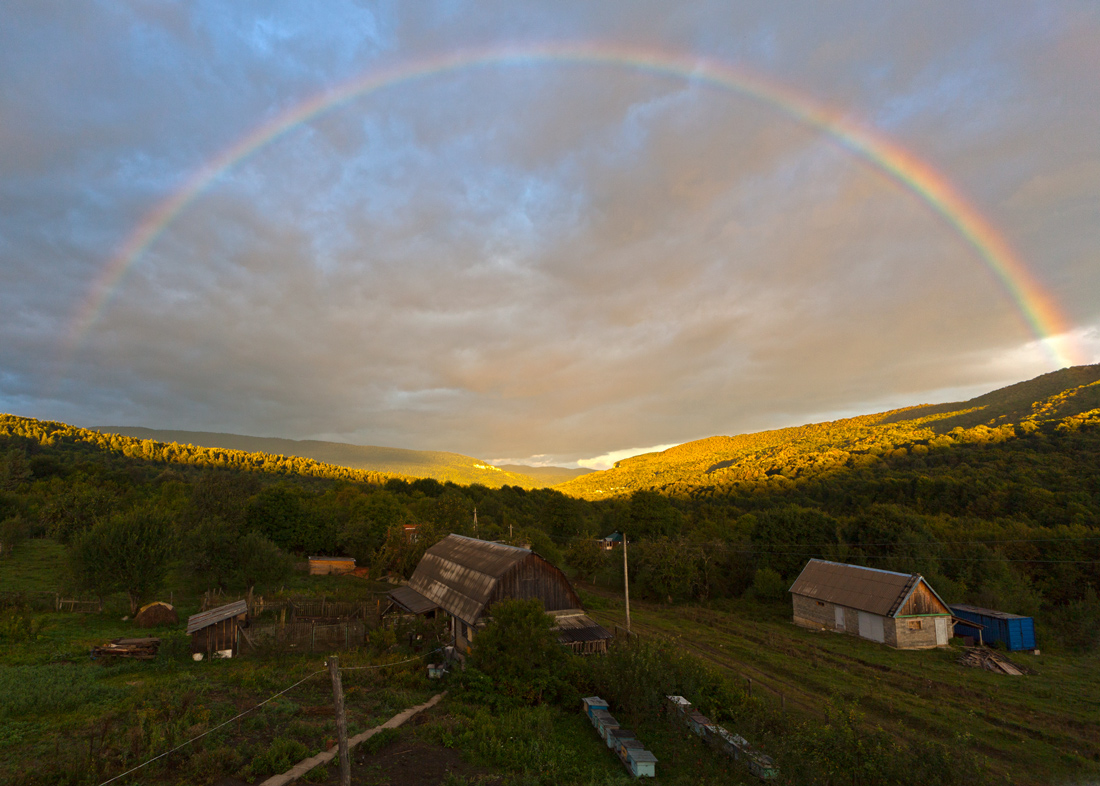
[(898, 609), (466, 576)]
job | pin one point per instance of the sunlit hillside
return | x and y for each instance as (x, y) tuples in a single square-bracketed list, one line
[(716, 464), (439, 465)]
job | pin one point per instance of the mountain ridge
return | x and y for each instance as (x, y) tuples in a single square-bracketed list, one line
[(711, 464), (436, 464)]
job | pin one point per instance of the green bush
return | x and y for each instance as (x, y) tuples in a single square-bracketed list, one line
[(519, 652), (282, 754)]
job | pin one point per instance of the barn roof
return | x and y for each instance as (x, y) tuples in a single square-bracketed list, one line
[(459, 573), (881, 592), (207, 618)]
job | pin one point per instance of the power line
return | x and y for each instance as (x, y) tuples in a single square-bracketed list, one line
[(208, 731)]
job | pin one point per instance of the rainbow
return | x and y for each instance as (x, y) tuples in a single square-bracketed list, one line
[(1035, 305)]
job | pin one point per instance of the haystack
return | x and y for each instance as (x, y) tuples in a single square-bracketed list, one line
[(156, 614)]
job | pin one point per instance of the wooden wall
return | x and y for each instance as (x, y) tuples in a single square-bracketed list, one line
[(219, 636), (534, 577), (922, 601)]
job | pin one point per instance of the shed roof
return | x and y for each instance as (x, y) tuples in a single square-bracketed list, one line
[(207, 618), (574, 625), (881, 592), (997, 615), (411, 600)]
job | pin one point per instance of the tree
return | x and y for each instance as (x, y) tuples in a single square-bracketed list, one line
[(519, 651), (128, 552), (260, 563), (586, 556), (365, 533)]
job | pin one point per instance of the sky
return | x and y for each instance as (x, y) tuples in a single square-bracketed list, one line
[(548, 233)]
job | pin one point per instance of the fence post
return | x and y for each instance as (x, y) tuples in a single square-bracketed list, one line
[(750, 685), (341, 720)]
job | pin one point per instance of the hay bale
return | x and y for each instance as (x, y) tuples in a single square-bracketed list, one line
[(155, 614)]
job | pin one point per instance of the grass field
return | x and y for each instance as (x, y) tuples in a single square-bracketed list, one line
[(1038, 729), (66, 719)]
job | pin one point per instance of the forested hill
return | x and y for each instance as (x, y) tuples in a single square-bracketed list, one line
[(719, 465), (438, 465)]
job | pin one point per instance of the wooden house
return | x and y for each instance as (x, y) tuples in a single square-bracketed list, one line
[(216, 630), (335, 566), (898, 609), (611, 541), (466, 576)]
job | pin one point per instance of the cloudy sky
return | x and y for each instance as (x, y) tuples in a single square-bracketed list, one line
[(546, 232)]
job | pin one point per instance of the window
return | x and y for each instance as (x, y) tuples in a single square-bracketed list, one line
[(819, 603), (914, 624)]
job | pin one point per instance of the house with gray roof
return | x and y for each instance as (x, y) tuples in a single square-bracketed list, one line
[(898, 609)]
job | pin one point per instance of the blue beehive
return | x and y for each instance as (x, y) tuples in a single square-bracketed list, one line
[(1011, 631), (591, 704)]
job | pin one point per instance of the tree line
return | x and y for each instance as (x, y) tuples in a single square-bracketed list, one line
[(1008, 523)]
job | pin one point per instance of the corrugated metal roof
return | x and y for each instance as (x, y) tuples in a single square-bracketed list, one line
[(459, 573), (411, 600), (576, 626), (997, 615), (205, 619), (867, 589)]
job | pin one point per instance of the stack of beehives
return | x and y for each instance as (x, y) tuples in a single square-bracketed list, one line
[(736, 747), (632, 753)]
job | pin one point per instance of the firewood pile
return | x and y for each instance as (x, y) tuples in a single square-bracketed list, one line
[(981, 658), (140, 649)]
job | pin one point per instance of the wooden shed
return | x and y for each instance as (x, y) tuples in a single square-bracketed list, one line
[(465, 576), (898, 609), (336, 566), (216, 630)]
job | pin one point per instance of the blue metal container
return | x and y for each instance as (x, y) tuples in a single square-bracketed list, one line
[(1010, 631)]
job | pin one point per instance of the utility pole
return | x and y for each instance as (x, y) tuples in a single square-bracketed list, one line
[(626, 586), (509, 530), (341, 721), (475, 522)]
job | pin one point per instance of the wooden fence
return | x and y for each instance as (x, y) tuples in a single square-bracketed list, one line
[(309, 636)]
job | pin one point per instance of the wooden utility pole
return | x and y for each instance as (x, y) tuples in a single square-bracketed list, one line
[(341, 721), (626, 587)]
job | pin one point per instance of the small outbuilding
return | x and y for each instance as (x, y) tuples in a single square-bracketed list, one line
[(611, 541), (216, 630), (334, 566), (1011, 631), (898, 609), (466, 576)]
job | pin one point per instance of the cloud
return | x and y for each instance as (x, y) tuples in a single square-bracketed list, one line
[(558, 260)]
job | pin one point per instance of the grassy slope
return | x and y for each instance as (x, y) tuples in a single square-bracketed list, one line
[(439, 465), (1033, 730), (819, 447)]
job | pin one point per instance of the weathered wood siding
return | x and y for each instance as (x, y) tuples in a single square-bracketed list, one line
[(922, 601), (331, 566), (534, 577), (219, 636)]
